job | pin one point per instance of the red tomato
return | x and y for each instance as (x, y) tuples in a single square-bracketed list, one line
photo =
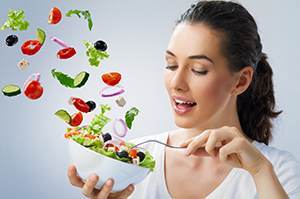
[(133, 153), (111, 78), (31, 47), (76, 119), (66, 53), (33, 90), (54, 16)]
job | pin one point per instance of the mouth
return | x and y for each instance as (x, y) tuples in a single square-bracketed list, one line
[(183, 105)]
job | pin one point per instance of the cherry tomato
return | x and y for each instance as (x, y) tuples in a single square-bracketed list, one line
[(33, 90), (76, 119), (80, 105), (54, 16), (66, 53), (133, 153), (31, 47), (111, 78)]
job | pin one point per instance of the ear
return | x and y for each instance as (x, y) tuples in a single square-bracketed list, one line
[(244, 78)]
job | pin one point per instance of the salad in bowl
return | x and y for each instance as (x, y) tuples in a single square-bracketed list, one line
[(94, 151)]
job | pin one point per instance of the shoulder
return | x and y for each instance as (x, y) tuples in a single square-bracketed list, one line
[(286, 166)]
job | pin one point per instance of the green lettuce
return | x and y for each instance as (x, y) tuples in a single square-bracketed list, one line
[(15, 21)]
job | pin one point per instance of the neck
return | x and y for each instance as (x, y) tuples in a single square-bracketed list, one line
[(225, 117)]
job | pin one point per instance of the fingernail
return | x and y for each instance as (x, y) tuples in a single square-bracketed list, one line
[(109, 182), (187, 152), (94, 177), (130, 188)]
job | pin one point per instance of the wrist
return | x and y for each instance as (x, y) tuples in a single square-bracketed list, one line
[(264, 169)]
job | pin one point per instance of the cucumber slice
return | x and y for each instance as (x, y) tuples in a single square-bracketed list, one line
[(41, 35), (11, 90), (81, 79), (64, 115)]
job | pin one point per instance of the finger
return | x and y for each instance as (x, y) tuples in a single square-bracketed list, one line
[(74, 179), (197, 142), (229, 153), (88, 187), (216, 138), (201, 152), (126, 192), (106, 189), (186, 142)]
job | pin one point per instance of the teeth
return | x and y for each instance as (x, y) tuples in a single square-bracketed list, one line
[(183, 102)]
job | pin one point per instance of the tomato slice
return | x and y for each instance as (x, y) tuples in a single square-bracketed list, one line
[(111, 78), (133, 153), (76, 119), (54, 16), (31, 47), (66, 53)]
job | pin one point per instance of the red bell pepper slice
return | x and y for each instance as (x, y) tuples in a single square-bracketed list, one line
[(31, 47), (66, 53), (80, 105)]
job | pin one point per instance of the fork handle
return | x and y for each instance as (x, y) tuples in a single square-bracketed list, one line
[(175, 147)]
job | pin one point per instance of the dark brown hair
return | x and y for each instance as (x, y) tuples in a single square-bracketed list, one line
[(242, 47)]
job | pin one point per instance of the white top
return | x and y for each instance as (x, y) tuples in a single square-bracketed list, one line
[(237, 184)]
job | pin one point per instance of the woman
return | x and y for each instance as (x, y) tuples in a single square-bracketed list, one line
[(221, 92)]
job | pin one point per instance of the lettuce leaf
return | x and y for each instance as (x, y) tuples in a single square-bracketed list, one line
[(85, 13), (130, 115), (94, 55), (15, 21)]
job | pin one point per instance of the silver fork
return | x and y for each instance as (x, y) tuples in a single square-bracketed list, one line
[(159, 142)]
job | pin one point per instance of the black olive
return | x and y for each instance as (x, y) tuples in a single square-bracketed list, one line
[(106, 137), (141, 155), (100, 45), (123, 154), (91, 104), (11, 40)]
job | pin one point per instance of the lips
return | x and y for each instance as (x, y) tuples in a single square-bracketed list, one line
[(183, 100), (182, 105)]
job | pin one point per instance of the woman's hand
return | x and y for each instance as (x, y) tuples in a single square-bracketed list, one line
[(89, 190), (230, 146)]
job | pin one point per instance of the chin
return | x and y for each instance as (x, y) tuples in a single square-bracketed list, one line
[(182, 122)]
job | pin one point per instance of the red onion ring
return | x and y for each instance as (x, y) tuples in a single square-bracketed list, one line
[(122, 134), (59, 41), (111, 94)]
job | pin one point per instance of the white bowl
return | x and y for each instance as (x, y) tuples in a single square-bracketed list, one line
[(88, 162)]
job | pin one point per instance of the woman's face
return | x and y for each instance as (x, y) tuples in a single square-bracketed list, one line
[(197, 77)]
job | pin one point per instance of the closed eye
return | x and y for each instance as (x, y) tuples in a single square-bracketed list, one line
[(204, 72), (172, 67)]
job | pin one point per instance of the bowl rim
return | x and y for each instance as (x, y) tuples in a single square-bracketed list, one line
[(113, 159)]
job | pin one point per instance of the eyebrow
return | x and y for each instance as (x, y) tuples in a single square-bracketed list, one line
[(193, 56)]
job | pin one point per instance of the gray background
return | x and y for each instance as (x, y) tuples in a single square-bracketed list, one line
[(33, 152)]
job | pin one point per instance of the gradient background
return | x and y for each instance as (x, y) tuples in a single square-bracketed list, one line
[(33, 152)]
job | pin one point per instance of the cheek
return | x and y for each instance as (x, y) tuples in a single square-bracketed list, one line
[(212, 91), (167, 78)]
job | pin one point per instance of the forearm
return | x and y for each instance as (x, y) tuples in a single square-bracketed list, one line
[(267, 183)]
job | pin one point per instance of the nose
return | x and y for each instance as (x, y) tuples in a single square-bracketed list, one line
[(178, 81)]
